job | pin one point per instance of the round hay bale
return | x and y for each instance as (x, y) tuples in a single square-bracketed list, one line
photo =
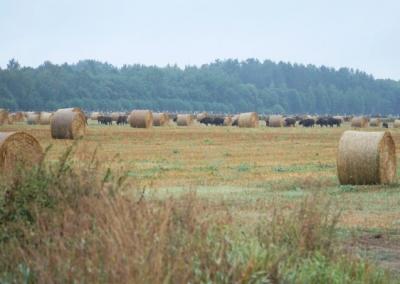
[(141, 119), (184, 119), (18, 149), (68, 123), (201, 115), (160, 119), (276, 121), (32, 117), (248, 120), (366, 158), (3, 116), (94, 115), (396, 123), (45, 117), (12, 118), (359, 122), (375, 122), (115, 115), (228, 121)]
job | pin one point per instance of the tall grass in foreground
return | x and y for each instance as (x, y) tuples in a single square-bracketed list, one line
[(67, 223)]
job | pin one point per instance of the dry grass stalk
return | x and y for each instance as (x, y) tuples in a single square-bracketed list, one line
[(68, 123), (141, 119), (366, 158)]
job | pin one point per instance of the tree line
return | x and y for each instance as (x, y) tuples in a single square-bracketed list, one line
[(228, 86)]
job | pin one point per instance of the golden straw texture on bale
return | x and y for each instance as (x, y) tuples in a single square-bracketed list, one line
[(184, 119), (32, 117), (141, 119), (68, 123), (396, 123), (228, 121), (18, 149), (366, 158), (375, 122), (248, 119), (3, 116), (359, 122), (160, 119), (45, 117), (276, 121)]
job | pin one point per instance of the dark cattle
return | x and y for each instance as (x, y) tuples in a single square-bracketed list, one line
[(122, 119), (106, 120), (267, 121), (322, 121), (334, 121), (307, 122), (235, 122), (385, 125), (212, 121), (290, 121), (328, 121)]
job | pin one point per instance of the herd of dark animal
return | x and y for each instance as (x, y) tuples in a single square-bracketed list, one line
[(107, 120)]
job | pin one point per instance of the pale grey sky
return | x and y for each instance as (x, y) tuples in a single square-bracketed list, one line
[(360, 34)]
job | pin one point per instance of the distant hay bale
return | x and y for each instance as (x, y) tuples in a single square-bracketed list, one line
[(201, 115), (228, 121), (68, 123), (45, 117), (375, 122), (160, 119), (141, 119), (396, 123), (184, 120), (18, 149), (3, 116), (248, 120), (115, 115), (366, 158), (276, 121), (94, 115), (359, 122), (32, 117)]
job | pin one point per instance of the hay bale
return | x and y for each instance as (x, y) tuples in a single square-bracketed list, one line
[(201, 115), (366, 158), (276, 121), (141, 119), (68, 123), (32, 117), (375, 122), (18, 149), (45, 117), (160, 119), (248, 120), (184, 119), (396, 123), (115, 115), (228, 120), (3, 116), (359, 122)]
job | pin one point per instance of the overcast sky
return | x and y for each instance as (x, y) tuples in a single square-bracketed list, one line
[(360, 34)]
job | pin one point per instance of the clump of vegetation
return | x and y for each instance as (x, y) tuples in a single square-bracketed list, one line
[(68, 223)]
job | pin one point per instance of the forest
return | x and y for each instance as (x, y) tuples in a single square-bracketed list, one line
[(224, 86)]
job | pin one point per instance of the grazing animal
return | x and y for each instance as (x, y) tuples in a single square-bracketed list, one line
[(106, 120), (290, 121), (385, 125), (307, 122), (218, 121), (122, 119)]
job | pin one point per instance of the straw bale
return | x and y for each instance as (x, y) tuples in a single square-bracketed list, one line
[(276, 121), (248, 120), (375, 122), (68, 123), (160, 119), (45, 117), (228, 120), (32, 117), (359, 122), (3, 116), (141, 119), (396, 123), (366, 158), (184, 119)]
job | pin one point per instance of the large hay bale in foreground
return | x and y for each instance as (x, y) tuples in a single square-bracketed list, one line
[(396, 123), (184, 119), (359, 122), (228, 121), (160, 119), (366, 158), (45, 117), (3, 116), (276, 121), (248, 120), (32, 118), (375, 122), (141, 119), (68, 123), (18, 149)]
